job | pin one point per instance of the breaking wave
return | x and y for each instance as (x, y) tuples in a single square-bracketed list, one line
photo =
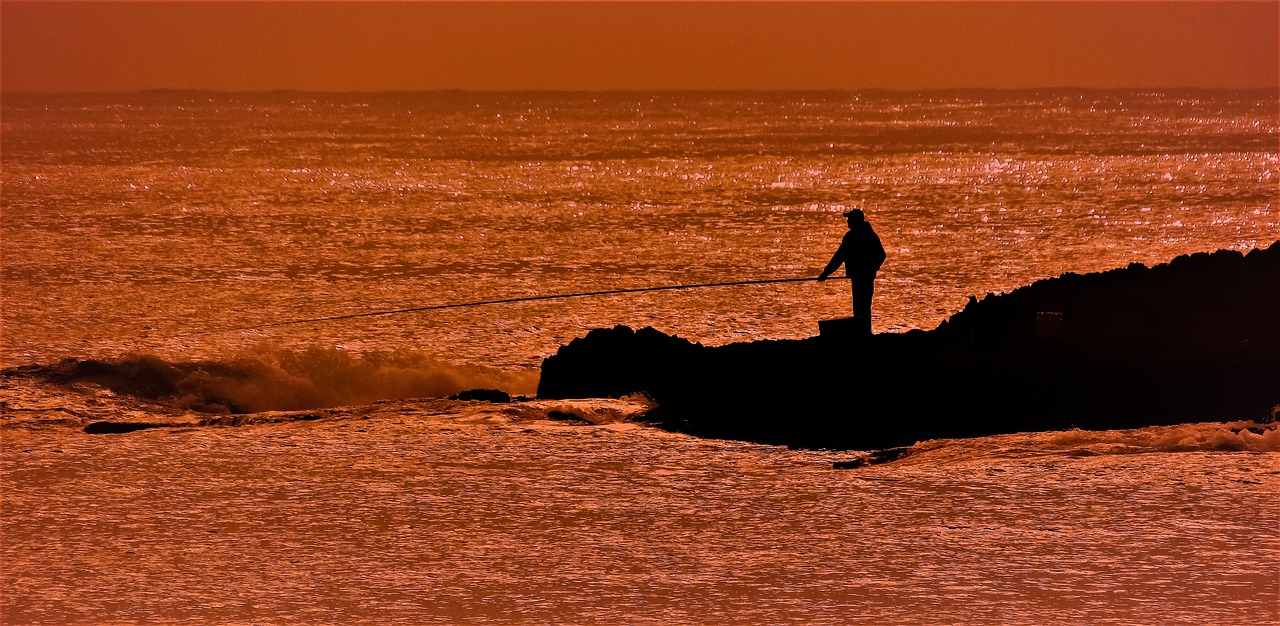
[(1244, 436), (274, 379), (597, 411)]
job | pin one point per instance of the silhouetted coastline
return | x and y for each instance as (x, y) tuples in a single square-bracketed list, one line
[(1195, 339)]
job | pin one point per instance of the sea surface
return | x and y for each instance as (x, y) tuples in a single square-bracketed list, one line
[(168, 257)]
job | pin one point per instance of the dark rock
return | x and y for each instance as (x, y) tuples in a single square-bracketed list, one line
[(483, 395), (612, 377), (875, 457), (845, 328), (1192, 340), (566, 417), (116, 428), (888, 455)]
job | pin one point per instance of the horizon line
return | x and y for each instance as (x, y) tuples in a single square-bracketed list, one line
[(630, 90)]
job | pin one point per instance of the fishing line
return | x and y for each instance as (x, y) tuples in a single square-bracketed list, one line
[(559, 296)]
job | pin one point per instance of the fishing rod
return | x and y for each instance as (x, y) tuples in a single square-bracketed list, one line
[(559, 296)]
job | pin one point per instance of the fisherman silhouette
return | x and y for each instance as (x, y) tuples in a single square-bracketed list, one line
[(862, 255)]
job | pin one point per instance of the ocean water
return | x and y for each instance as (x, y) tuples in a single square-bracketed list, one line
[(314, 472)]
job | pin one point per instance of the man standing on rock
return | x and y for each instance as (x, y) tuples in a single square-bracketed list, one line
[(862, 255)]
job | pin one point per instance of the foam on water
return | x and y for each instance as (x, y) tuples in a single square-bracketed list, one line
[(1237, 436), (1231, 436), (268, 378), (140, 393)]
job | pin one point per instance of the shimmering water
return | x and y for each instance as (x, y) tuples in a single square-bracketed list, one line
[(429, 512), (151, 223), (135, 222)]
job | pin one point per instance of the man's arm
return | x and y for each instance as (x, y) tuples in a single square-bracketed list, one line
[(834, 263)]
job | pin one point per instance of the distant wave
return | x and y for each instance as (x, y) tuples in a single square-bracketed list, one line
[(1240, 436), (274, 379)]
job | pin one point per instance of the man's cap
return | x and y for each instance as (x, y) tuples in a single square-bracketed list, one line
[(853, 212)]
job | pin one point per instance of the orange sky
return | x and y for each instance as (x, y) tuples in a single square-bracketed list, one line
[(359, 46)]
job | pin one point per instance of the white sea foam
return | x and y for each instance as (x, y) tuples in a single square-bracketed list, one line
[(274, 379), (268, 378), (600, 411)]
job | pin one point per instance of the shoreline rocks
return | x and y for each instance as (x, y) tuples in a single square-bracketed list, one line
[(1195, 339)]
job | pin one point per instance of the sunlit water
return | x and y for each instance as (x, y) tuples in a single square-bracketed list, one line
[(151, 224)]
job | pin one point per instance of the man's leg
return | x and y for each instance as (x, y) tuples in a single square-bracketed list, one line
[(864, 286), (855, 293)]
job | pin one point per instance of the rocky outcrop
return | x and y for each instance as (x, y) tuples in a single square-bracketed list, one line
[(118, 428), (483, 395), (1195, 339)]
